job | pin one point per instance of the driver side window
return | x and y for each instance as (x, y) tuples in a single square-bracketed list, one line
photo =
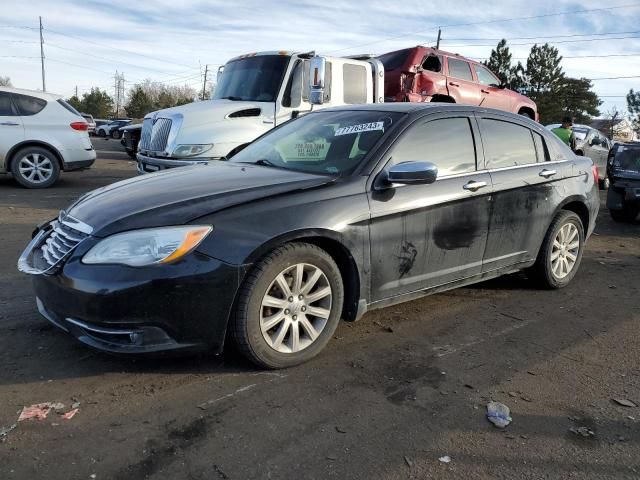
[(447, 143)]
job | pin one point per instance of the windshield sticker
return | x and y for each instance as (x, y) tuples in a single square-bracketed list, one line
[(363, 127)]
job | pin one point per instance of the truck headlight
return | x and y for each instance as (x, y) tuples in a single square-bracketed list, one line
[(191, 150), (139, 248)]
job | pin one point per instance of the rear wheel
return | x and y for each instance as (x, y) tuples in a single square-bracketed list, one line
[(288, 307), (115, 134), (561, 252), (524, 113), (101, 133), (35, 167)]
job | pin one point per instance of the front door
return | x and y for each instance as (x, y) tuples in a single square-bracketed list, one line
[(423, 236), (11, 128), (526, 190), (492, 95)]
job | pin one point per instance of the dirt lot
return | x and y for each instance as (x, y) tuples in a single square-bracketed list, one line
[(390, 395)]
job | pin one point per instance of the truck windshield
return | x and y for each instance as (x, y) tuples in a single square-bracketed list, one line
[(330, 143), (255, 79), (394, 60)]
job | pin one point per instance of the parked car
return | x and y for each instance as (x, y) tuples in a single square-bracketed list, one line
[(593, 144), (41, 135), (423, 74), (335, 213), (111, 129), (91, 129), (623, 198), (130, 138)]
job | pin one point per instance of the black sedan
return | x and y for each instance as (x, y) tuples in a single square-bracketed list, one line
[(325, 217)]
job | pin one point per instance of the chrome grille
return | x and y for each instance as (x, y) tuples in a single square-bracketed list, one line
[(155, 133), (52, 245), (60, 242)]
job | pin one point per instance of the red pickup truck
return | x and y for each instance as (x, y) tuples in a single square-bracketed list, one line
[(423, 74)]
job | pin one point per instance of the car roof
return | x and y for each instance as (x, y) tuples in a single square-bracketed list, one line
[(32, 93)]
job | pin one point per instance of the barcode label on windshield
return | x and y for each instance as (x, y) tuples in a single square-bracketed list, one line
[(363, 127)]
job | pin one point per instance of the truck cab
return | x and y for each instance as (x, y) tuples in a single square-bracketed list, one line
[(255, 93)]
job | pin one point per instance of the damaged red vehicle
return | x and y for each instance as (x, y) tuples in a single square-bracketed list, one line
[(423, 74)]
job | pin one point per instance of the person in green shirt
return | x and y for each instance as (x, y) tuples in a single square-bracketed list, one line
[(565, 133)]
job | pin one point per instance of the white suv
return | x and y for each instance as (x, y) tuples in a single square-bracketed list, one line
[(40, 135)]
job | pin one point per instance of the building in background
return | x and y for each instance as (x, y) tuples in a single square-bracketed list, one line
[(619, 130)]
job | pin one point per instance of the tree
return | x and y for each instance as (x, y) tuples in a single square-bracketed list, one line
[(97, 103), (574, 98), (518, 78), (76, 103), (5, 82), (139, 103), (164, 96), (545, 79), (633, 105), (500, 62)]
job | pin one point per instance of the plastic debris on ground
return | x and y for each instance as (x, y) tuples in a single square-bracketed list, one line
[(39, 410), (498, 414), (583, 432), (625, 402), (445, 459), (69, 415), (4, 431)]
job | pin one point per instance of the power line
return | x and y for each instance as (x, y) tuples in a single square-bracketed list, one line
[(547, 36), (553, 42), (488, 22), (610, 55)]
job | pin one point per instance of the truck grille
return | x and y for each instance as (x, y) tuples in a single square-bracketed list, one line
[(53, 244), (155, 133)]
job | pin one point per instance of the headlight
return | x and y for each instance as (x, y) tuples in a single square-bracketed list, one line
[(191, 150), (146, 247)]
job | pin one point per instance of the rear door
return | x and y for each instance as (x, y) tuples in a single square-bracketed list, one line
[(11, 128), (526, 189), (492, 95), (460, 82)]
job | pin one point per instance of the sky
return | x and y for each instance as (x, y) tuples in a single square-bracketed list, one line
[(172, 41)]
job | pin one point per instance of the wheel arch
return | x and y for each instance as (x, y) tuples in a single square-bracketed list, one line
[(527, 110), (443, 98), (332, 243), (33, 143)]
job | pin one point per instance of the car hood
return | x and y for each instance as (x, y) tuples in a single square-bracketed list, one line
[(211, 111), (182, 195)]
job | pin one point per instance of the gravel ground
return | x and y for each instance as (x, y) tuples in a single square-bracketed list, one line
[(389, 396)]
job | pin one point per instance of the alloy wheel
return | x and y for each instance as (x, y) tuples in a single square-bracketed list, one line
[(296, 307), (35, 167), (564, 253)]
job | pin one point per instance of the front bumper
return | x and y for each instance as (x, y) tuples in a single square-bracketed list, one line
[(183, 306), (148, 164)]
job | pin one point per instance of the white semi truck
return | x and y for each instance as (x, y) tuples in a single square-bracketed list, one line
[(255, 93)]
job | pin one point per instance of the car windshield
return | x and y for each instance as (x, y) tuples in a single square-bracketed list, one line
[(627, 158), (580, 133), (332, 143), (255, 79), (394, 60)]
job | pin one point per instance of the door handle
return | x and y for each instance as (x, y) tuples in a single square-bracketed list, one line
[(10, 124), (485, 91), (474, 186), (547, 173), (454, 84)]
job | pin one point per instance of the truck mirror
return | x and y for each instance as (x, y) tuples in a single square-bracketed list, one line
[(219, 75), (317, 68)]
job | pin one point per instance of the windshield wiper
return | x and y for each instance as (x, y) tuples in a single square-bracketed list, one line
[(264, 163), (231, 97)]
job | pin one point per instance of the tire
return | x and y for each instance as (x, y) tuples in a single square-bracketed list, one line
[(101, 133), (604, 184), (626, 215), (35, 167), (547, 273), (276, 348), (115, 134), (524, 113)]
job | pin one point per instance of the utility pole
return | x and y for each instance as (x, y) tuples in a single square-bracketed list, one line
[(204, 85), (44, 88), (438, 41), (76, 91), (116, 94)]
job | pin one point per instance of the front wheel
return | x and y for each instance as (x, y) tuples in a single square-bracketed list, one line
[(115, 134), (288, 307), (561, 251), (101, 133)]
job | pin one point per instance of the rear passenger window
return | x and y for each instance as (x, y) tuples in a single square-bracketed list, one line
[(28, 105), (5, 105), (355, 83), (541, 147), (506, 144), (448, 143), (460, 69)]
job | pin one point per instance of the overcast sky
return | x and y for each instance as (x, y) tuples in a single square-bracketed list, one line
[(167, 40)]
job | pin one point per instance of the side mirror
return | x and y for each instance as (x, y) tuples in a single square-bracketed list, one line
[(595, 141), (412, 173), (317, 68), (219, 74)]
